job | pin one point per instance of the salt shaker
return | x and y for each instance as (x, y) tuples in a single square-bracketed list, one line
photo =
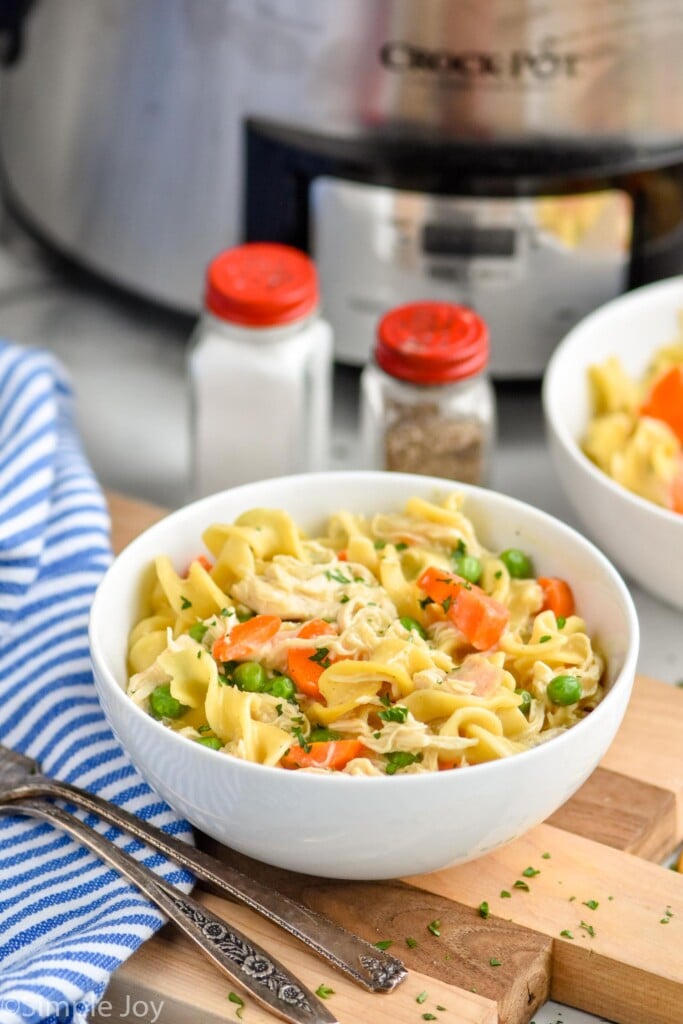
[(260, 365), (427, 403)]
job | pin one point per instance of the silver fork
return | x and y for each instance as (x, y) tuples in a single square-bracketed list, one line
[(254, 970), (20, 778)]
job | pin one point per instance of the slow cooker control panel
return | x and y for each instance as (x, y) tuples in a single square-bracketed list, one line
[(532, 267)]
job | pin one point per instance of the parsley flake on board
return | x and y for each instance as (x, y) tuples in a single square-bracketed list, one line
[(384, 943), (519, 884), (435, 927), (495, 962), (411, 943), (422, 998), (591, 904), (239, 1002), (565, 933), (483, 909), (324, 991), (588, 928), (530, 872), (505, 895), (545, 856), (429, 1016)]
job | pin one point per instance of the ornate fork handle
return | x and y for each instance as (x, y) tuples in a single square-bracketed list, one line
[(361, 961), (257, 972)]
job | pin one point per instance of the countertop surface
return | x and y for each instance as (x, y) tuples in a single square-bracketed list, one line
[(127, 363)]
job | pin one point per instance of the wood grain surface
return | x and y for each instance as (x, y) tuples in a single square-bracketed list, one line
[(620, 956)]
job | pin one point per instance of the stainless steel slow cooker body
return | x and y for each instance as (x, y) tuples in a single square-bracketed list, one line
[(122, 128)]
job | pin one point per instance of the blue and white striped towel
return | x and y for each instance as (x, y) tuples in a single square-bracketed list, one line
[(66, 921)]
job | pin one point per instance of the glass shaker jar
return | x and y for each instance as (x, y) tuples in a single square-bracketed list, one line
[(260, 365), (427, 403)]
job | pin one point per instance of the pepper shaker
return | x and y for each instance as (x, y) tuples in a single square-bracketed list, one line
[(427, 403)]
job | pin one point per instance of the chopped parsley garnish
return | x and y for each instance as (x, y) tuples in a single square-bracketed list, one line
[(396, 714), (588, 928), (435, 927), (184, 603), (530, 872), (344, 599), (498, 574), (197, 631), (301, 739), (384, 943), (320, 657), (544, 639), (495, 962), (400, 759), (337, 575), (401, 546), (244, 614), (422, 998), (460, 548), (425, 601), (324, 991), (591, 904), (379, 544), (204, 728), (385, 699), (519, 884), (561, 621), (483, 909), (411, 943)]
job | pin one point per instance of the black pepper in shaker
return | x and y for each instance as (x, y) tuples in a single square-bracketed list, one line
[(427, 403)]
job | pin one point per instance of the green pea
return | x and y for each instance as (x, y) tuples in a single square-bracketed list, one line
[(517, 563), (250, 676), (210, 741), (412, 624), (323, 735), (197, 631), (467, 566), (525, 706), (282, 686), (163, 705), (564, 690)]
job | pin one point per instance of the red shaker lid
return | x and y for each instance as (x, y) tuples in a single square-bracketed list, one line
[(261, 284), (432, 342)]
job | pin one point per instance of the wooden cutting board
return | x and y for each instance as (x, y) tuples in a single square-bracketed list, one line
[(597, 923)]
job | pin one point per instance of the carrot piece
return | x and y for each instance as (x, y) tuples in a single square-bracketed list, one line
[(343, 556), (305, 672), (557, 596), (246, 638), (665, 400), (332, 754), (479, 617), (203, 561)]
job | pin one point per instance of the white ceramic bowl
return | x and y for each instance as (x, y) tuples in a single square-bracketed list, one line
[(368, 827), (644, 540)]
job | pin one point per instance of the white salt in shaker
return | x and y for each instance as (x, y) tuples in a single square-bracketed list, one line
[(260, 366)]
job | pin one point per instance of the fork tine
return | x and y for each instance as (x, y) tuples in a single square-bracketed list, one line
[(15, 766)]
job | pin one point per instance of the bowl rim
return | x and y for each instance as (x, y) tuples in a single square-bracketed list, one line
[(624, 679), (550, 383)]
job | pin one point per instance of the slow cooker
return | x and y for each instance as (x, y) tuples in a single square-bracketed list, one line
[(525, 159)]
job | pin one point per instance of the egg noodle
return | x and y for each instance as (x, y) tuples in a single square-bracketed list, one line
[(635, 434), (391, 644)]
